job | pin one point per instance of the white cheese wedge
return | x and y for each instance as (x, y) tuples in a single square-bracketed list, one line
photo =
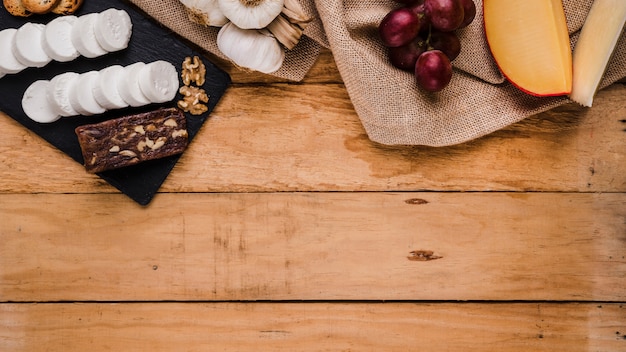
[(594, 49), (105, 92), (27, 46), (113, 29), (128, 85), (59, 93), (83, 36), (158, 80), (8, 62), (57, 39), (82, 97), (36, 105)]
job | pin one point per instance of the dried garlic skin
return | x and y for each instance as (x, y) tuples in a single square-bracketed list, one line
[(254, 49), (205, 12), (251, 14)]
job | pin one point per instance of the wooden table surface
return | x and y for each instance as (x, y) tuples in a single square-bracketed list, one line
[(284, 228)]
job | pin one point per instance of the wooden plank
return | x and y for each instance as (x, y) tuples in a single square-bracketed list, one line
[(323, 71), (308, 138), (549, 327), (314, 246)]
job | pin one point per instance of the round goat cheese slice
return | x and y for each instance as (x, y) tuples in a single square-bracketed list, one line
[(128, 85), (59, 93), (82, 97), (113, 29), (84, 36), (8, 62), (105, 91), (158, 81), (27, 46), (36, 105), (57, 39)]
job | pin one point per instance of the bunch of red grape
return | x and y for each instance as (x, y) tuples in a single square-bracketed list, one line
[(420, 37)]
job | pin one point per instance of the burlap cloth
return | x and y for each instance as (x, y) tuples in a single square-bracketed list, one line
[(393, 111)]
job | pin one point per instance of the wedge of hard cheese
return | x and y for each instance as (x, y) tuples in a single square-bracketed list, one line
[(595, 47)]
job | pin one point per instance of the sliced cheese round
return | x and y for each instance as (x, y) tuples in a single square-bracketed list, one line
[(105, 91), (27, 46), (57, 39), (36, 105), (59, 93), (158, 81), (83, 36), (82, 97), (113, 29), (8, 62), (128, 85)]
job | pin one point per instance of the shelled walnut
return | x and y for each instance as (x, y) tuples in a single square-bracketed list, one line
[(193, 99), (193, 71)]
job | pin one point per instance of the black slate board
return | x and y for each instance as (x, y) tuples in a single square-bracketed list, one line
[(149, 42)]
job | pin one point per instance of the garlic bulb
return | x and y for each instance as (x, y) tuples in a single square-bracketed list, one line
[(249, 14), (205, 12), (250, 48)]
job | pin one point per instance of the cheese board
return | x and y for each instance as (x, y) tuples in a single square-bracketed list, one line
[(149, 42)]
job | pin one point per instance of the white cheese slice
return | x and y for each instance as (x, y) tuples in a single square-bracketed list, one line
[(113, 29), (83, 36), (59, 93), (158, 80), (81, 94), (36, 105), (105, 92), (57, 39), (27, 46), (128, 85), (8, 62)]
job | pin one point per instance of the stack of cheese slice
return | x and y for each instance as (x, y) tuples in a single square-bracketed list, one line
[(94, 92), (63, 39)]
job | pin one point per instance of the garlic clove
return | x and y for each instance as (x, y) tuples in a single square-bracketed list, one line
[(253, 49), (205, 12), (251, 14)]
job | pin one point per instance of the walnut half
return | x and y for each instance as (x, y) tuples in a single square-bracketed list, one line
[(193, 71), (193, 99)]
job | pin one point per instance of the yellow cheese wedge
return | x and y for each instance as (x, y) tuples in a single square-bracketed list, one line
[(530, 44), (595, 47)]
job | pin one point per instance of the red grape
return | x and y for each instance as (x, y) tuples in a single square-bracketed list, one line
[(469, 12), (399, 27), (448, 42), (420, 11), (433, 70), (404, 57), (444, 15)]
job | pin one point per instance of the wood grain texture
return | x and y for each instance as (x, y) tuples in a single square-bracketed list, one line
[(283, 228), (314, 246), (308, 138), (549, 327)]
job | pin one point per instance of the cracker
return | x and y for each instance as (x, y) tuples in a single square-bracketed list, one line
[(16, 8), (67, 7), (39, 6)]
